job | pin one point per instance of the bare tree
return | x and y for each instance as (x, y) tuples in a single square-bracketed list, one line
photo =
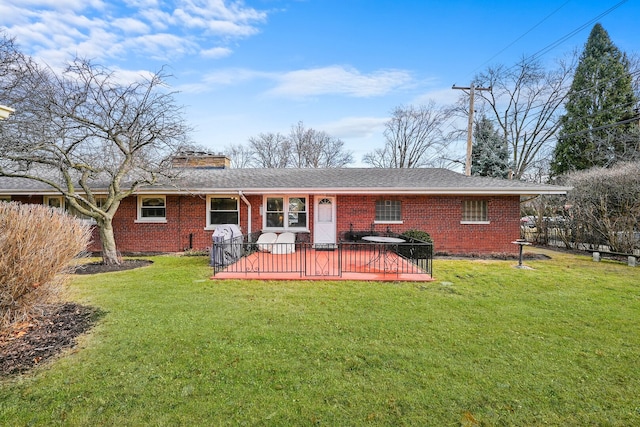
[(302, 145), (526, 101), (414, 138), (88, 136), (316, 149), (302, 148), (333, 154), (241, 156), (270, 150)]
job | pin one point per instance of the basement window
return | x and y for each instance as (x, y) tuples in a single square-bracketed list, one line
[(475, 212)]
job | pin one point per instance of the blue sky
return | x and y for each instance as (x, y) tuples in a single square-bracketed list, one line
[(339, 66)]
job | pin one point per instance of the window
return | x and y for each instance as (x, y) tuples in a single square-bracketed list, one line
[(388, 211), (474, 211), (5, 198), (297, 212), (152, 209), (294, 209), (54, 201), (223, 210)]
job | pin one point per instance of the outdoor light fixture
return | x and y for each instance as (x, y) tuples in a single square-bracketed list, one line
[(5, 112)]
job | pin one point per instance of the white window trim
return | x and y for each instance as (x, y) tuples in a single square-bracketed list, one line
[(208, 208), (263, 213), (140, 219)]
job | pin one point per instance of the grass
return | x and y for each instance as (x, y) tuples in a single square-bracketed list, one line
[(484, 344)]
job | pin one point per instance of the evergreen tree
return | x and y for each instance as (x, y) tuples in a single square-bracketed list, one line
[(490, 156), (599, 109)]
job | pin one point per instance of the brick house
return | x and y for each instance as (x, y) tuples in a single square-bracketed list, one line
[(462, 214)]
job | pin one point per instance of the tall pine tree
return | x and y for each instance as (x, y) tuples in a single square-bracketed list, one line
[(599, 109), (490, 156)]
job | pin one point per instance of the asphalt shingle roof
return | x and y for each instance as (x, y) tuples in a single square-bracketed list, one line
[(335, 180)]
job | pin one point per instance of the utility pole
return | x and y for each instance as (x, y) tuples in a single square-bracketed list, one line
[(471, 89)]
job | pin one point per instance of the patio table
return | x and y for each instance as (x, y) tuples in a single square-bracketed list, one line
[(380, 245), (383, 239)]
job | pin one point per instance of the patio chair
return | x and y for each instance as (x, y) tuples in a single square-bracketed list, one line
[(265, 241), (286, 244)]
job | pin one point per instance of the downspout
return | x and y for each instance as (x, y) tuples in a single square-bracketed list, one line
[(246, 202)]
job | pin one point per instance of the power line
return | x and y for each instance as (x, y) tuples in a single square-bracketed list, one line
[(550, 47), (562, 39), (607, 126), (524, 34), (542, 105)]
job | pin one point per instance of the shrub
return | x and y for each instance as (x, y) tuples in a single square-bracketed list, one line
[(417, 252), (605, 206), (418, 235), (37, 244)]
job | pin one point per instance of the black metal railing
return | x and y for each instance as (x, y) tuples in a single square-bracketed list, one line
[(244, 255)]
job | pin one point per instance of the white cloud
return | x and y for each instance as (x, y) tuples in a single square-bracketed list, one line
[(220, 78), (441, 96), (161, 46), (355, 127), (216, 52), (129, 76), (333, 80), (232, 11), (131, 25), (338, 80), (54, 29), (141, 4), (62, 4)]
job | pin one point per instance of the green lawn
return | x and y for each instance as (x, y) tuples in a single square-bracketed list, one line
[(484, 344)]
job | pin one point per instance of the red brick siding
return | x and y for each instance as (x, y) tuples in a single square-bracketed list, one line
[(28, 199), (438, 215)]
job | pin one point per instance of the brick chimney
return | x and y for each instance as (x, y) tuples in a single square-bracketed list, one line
[(201, 159)]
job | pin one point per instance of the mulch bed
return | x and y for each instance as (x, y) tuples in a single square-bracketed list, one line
[(32, 343), (56, 329), (98, 267)]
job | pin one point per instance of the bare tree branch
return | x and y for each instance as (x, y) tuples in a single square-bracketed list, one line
[(83, 132), (414, 138), (526, 102)]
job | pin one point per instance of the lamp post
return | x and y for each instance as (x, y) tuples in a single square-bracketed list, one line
[(5, 112)]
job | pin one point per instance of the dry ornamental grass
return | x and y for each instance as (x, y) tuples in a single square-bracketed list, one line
[(37, 244)]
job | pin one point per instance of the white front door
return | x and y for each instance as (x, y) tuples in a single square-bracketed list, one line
[(324, 225)]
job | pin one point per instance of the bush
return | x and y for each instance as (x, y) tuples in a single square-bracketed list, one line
[(416, 252), (605, 206), (37, 244), (418, 235)]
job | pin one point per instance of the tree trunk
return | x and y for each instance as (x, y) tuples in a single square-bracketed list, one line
[(109, 251)]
